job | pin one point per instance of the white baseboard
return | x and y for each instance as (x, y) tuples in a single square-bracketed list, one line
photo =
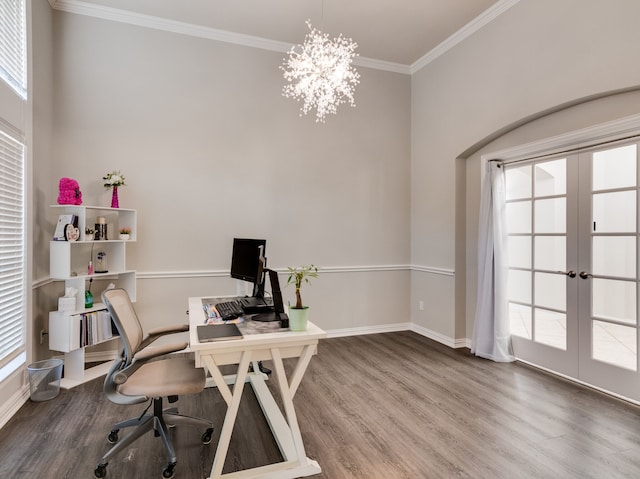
[(389, 328), (386, 328), (441, 338), (15, 402)]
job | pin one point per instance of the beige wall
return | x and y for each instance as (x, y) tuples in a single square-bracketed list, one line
[(211, 150), (536, 57)]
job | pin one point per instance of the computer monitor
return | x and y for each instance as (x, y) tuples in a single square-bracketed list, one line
[(248, 262)]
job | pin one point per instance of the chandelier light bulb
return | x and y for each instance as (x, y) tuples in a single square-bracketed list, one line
[(320, 73)]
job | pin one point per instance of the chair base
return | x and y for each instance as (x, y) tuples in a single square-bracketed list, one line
[(159, 422)]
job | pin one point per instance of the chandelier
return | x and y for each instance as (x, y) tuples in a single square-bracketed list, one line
[(320, 73)]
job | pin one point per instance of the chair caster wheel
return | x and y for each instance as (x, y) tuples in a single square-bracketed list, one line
[(100, 471), (112, 438), (168, 472), (206, 437)]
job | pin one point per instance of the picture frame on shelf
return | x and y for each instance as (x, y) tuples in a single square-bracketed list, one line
[(61, 226)]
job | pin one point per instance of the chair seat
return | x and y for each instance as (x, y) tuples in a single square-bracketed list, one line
[(168, 377)]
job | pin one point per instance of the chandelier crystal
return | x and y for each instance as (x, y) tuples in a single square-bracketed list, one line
[(320, 73)]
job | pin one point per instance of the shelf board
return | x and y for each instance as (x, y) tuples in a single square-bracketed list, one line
[(89, 374), (97, 208)]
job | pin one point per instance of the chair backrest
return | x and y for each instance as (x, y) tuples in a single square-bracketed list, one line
[(126, 320)]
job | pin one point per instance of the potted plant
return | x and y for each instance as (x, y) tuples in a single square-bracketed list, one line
[(125, 233), (88, 233), (299, 313)]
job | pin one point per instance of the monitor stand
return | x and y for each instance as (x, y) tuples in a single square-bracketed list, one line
[(272, 316)]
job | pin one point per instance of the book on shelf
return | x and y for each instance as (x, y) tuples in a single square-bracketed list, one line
[(95, 327)]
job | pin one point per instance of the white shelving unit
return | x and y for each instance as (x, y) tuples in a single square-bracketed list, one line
[(69, 261)]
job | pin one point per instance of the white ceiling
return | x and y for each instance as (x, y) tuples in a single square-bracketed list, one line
[(396, 31)]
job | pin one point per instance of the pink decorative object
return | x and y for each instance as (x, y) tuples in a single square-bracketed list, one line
[(70, 193), (114, 198)]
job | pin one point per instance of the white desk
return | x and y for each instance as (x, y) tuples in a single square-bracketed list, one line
[(274, 346)]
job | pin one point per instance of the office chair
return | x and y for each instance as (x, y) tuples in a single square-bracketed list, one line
[(136, 378)]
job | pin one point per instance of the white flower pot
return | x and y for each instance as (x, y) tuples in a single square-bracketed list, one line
[(298, 318), (124, 236)]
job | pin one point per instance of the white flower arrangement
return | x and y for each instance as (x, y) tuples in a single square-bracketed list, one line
[(115, 178)]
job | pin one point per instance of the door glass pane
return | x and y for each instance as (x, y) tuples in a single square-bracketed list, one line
[(551, 290), (551, 253), (518, 182), (614, 168), (551, 178), (614, 256), (551, 328), (615, 344), (519, 286), (551, 216), (614, 300), (520, 319), (519, 217), (520, 251), (614, 212)]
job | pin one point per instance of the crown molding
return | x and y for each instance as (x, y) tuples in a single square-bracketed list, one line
[(469, 29), (80, 7), (123, 16), (382, 65)]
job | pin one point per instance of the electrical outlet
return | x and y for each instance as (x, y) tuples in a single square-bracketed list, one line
[(421, 305)]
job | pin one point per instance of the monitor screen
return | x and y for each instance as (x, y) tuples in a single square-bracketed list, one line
[(248, 259)]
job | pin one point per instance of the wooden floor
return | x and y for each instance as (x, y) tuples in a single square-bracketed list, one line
[(388, 406)]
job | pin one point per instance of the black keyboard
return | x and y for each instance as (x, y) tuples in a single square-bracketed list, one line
[(229, 310)]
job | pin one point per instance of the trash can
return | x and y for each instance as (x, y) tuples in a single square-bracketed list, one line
[(44, 379)]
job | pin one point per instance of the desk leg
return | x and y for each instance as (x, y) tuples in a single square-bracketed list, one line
[(233, 403), (287, 392)]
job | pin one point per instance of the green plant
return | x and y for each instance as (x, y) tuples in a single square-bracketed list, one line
[(299, 275), (89, 230), (125, 231)]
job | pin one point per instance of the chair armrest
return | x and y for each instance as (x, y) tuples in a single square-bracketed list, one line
[(149, 353), (171, 329), (156, 333), (141, 357)]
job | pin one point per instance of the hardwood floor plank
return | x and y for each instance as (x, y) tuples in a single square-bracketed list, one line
[(389, 406)]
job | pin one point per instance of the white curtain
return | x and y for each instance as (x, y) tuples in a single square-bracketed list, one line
[(491, 334)]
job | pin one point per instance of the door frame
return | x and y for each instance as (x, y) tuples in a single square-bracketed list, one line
[(567, 143)]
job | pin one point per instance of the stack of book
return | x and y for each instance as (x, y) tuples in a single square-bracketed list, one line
[(95, 327)]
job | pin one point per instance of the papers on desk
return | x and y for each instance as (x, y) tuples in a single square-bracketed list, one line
[(218, 332), (212, 315)]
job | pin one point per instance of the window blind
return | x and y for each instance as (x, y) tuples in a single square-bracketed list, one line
[(13, 45), (12, 248)]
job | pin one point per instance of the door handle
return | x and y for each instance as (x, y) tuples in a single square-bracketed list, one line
[(585, 275), (571, 273)]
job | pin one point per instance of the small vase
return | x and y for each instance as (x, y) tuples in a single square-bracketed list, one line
[(114, 198), (298, 318)]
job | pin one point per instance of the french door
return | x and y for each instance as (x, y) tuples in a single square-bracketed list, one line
[(573, 265)]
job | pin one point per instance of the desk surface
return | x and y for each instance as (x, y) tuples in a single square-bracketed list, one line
[(253, 340)]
